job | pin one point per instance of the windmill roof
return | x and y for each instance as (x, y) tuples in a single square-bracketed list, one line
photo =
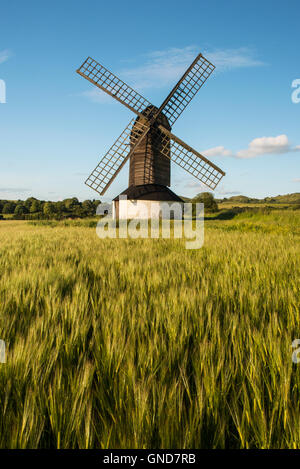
[(150, 192)]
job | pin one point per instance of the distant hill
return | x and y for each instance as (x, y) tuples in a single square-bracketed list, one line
[(284, 199), (278, 199), (240, 198)]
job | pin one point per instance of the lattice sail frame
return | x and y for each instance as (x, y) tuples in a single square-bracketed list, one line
[(186, 88), (111, 84), (188, 158), (113, 161)]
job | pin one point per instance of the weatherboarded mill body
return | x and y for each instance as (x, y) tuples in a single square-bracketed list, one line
[(148, 144), (149, 173)]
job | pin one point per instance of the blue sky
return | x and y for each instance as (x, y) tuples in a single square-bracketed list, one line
[(55, 127)]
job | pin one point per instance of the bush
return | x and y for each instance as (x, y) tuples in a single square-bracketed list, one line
[(206, 198)]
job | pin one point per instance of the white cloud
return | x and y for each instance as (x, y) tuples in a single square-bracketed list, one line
[(266, 145), (4, 55), (257, 147), (217, 151), (296, 180)]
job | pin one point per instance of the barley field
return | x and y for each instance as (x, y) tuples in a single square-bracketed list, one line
[(144, 344)]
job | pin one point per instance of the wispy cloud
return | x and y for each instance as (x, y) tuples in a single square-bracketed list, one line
[(228, 59), (199, 186), (159, 68), (14, 189), (226, 191), (4, 55), (257, 147), (81, 174), (296, 180), (96, 95), (162, 68), (220, 190)]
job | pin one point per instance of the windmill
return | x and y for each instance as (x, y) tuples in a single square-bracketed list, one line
[(147, 140)]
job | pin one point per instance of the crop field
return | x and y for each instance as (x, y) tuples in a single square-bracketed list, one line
[(123, 343)]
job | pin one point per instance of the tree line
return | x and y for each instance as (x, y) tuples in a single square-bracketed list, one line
[(34, 209)]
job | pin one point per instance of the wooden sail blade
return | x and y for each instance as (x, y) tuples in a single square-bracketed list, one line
[(188, 158), (186, 88), (111, 84), (113, 161)]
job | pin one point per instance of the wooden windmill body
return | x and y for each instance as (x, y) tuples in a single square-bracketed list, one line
[(147, 164), (148, 144), (149, 174)]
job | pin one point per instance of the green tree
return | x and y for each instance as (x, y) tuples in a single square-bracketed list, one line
[(60, 209), (95, 204), (9, 207), (49, 209), (88, 208), (206, 198), (28, 202), (20, 210), (35, 206), (71, 204)]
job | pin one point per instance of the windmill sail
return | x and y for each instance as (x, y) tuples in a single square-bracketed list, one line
[(113, 161), (186, 88), (157, 121), (189, 159), (111, 84)]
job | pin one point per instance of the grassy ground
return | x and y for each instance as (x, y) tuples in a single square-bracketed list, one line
[(142, 343)]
